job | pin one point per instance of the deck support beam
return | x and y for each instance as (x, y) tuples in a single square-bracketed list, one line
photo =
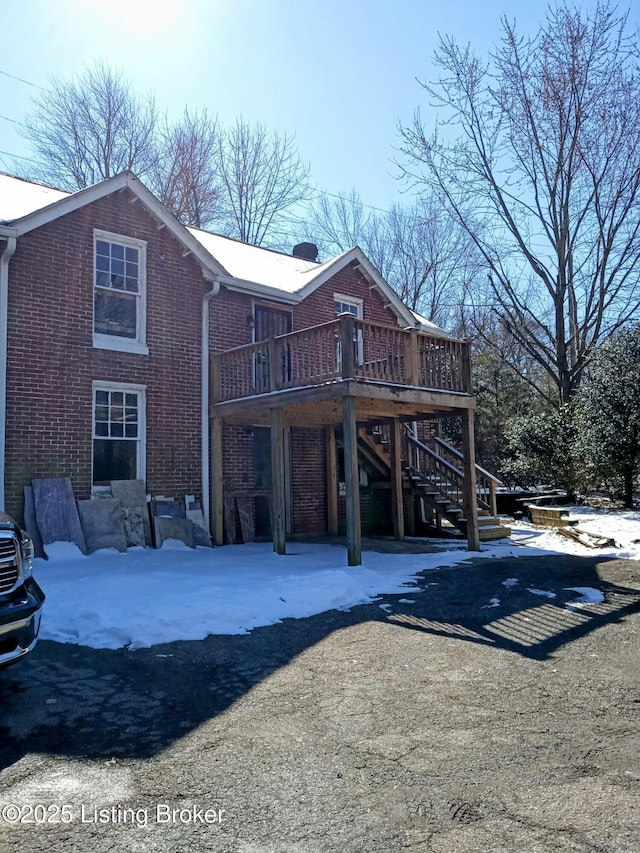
[(352, 481), (332, 481), (278, 480), (397, 507), (469, 496), (217, 481)]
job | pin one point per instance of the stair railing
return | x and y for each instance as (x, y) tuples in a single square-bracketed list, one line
[(428, 465), (443, 466), (486, 482)]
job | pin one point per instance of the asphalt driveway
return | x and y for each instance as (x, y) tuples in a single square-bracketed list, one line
[(443, 721)]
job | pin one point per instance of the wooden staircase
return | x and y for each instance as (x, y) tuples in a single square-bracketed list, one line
[(434, 475)]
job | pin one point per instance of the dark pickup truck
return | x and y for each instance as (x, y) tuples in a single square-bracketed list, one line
[(21, 598)]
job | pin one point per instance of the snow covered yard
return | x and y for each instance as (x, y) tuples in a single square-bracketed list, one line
[(146, 596)]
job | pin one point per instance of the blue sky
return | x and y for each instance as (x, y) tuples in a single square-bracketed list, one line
[(338, 75)]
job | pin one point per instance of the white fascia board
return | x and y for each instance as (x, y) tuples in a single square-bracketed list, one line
[(125, 180), (356, 254), (253, 288), (211, 267), (74, 201)]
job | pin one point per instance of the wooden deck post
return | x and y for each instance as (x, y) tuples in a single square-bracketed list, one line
[(467, 384), (215, 380), (347, 330), (274, 366), (397, 507), (278, 501), (469, 497), (412, 376), (352, 480), (332, 481), (217, 481)]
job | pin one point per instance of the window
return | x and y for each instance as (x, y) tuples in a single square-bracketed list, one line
[(344, 305), (350, 305), (118, 433), (119, 293)]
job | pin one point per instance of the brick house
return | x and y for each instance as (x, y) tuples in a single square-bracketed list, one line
[(132, 347)]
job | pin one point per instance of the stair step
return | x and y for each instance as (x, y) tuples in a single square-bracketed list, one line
[(493, 531), (487, 521)]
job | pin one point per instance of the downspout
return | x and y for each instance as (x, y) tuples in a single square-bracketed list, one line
[(204, 396), (4, 337)]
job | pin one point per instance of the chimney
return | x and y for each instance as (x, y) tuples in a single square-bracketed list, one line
[(307, 251)]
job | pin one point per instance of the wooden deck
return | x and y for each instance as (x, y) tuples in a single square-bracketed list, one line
[(389, 372), (346, 372)]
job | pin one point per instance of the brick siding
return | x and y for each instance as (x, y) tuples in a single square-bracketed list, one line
[(52, 362)]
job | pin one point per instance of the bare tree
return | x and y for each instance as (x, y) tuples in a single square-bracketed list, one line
[(263, 179), (432, 260), (544, 176), (338, 223), (186, 175), (420, 250), (90, 128)]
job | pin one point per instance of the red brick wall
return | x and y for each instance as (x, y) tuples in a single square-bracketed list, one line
[(319, 306), (309, 481), (230, 310), (229, 313), (228, 323), (52, 363)]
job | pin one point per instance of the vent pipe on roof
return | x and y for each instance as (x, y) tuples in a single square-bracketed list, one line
[(306, 251)]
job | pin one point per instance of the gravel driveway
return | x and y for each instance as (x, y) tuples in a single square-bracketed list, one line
[(466, 715)]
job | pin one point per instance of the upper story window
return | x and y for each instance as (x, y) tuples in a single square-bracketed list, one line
[(345, 305), (119, 293), (352, 305)]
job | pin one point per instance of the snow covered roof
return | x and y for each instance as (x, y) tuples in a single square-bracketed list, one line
[(19, 197), (255, 264), (427, 326), (27, 205)]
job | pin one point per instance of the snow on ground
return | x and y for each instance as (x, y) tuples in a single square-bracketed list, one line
[(147, 596)]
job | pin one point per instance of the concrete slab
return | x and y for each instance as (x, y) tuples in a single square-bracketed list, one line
[(57, 513), (102, 524), (135, 520), (181, 529), (135, 513)]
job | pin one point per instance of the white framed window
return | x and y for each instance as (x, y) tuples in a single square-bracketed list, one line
[(351, 305), (119, 293), (348, 305), (119, 433)]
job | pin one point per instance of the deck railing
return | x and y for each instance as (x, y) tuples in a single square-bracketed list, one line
[(344, 348)]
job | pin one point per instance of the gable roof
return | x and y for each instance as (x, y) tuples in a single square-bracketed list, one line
[(253, 269), (39, 205), (19, 197), (256, 264), (27, 205)]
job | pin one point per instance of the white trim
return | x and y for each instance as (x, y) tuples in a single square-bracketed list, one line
[(126, 388), (113, 342), (211, 267), (265, 291), (358, 304), (125, 180), (350, 300), (118, 342)]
